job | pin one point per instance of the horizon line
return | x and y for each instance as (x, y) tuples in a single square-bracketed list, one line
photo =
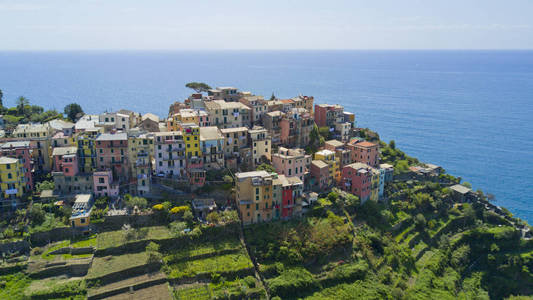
[(265, 49)]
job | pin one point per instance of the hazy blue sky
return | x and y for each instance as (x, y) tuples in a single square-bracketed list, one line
[(268, 24)]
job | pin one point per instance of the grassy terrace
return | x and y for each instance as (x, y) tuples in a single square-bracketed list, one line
[(199, 292), (80, 243), (204, 248), (216, 264), (119, 237), (109, 264)]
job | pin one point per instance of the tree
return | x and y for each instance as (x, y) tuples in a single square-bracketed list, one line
[(73, 111), (392, 144), (36, 214), (188, 217), (273, 97), (44, 185), (21, 104), (213, 217), (1, 98), (152, 249), (266, 167), (138, 202), (198, 87)]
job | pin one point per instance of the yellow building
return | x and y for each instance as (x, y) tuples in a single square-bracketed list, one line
[(261, 144), (81, 211), (191, 137), (254, 196), (87, 154), (12, 181), (39, 136), (333, 162), (140, 154)]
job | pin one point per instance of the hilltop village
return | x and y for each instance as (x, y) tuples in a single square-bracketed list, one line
[(236, 196)]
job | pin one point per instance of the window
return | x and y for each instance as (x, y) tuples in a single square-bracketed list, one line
[(101, 180), (257, 206)]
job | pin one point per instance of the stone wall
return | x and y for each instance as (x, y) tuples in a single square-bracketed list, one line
[(15, 247)]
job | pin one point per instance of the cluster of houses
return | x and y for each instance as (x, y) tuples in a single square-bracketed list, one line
[(123, 152)]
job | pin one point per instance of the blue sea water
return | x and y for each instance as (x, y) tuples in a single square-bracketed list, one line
[(468, 111)]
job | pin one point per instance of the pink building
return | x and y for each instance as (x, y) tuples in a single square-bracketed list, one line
[(319, 174), (291, 162), (364, 152), (104, 185), (195, 171), (22, 151), (296, 126), (357, 179), (111, 154), (328, 115), (66, 160)]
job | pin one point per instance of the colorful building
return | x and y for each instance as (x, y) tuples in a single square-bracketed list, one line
[(12, 182), (333, 162), (81, 211), (320, 177), (253, 196), (104, 184), (212, 147), (258, 106), (140, 154), (364, 152), (191, 137), (111, 153), (66, 160), (260, 145), (272, 123), (169, 154), (291, 162), (296, 126), (22, 151), (328, 115), (228, 114), (86, 153), (291, 190), (341, 152), (361, 180)]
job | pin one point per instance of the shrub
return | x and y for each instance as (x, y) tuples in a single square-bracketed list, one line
[(291, 281), (179, 209), (249, 281), (158, 207)]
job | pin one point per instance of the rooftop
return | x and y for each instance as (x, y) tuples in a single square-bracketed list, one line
[(335, 143), (461, 189), (320, 164), (244, 175), (16, 144), (64, 150), (150, 116), (4, 160), (236, 129), (210, 133), (112, 137)]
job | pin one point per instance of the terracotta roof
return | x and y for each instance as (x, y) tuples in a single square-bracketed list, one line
[(287, 101), (362, 144)]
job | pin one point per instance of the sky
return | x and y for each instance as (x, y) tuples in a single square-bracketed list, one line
[(272, 24)]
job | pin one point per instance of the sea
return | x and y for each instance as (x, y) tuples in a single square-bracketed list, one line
[(470, 112)]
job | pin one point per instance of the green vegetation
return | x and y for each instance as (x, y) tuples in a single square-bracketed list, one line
[(198, 87), (24, 113), (217, 264), (73, 111), (119, 237)]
